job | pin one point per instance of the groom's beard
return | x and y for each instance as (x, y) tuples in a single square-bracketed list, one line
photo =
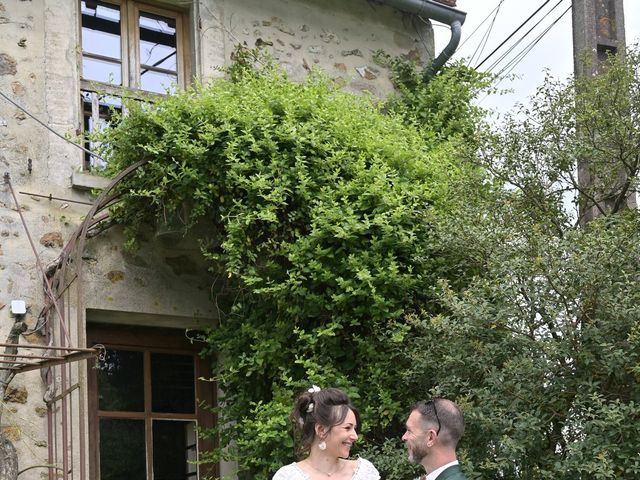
[(416, 452)]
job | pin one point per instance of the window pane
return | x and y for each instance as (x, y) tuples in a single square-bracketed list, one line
[(121, 381), (101, 37), (174, 447), (172, 383), (122, 449), (157, 50), (107, 106), (101, 71), (158, 41), (157, 82)]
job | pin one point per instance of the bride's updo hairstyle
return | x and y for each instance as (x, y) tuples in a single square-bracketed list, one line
[(328, 407)]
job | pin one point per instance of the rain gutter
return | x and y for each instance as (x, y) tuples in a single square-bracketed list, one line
[(440, 13)]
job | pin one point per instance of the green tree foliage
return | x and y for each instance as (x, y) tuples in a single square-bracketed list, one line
[(399, 252), (318, 208), (442, 107), (541, 347)]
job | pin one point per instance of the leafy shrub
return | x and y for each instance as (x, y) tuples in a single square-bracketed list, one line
[(317, 211)]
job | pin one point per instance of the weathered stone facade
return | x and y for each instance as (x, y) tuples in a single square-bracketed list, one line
[(165, 283)]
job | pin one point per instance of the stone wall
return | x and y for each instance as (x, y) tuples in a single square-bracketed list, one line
[(342, 38), (22, 77)]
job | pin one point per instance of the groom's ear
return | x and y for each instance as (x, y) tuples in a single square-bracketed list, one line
[(432, 437)]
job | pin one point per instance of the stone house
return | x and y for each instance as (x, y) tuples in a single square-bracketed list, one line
[(105, 382)]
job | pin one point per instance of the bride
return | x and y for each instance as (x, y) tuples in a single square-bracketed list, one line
[(326, 425)]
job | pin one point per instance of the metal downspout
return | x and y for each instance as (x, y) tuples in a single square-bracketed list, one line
[(440, 13)]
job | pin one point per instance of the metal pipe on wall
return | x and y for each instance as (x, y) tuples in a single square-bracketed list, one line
[(440, 13)]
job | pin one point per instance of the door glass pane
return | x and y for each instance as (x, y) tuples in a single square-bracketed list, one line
[(121, 381), (172, 383), (101, 37), (158, 52), (174, 447), (122, 449)]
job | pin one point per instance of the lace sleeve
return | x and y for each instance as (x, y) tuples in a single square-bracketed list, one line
[(366, 471)]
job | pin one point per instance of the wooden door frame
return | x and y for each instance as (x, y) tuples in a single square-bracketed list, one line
[(161, 340)]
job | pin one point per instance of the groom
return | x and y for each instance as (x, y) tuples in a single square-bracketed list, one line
[(433, 431)]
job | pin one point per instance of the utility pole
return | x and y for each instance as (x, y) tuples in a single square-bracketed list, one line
[(598, 28), (598, 32)]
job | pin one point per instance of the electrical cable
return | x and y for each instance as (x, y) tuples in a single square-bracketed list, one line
[(512, 34), (24, 110), (518, 58), (512, 47), (485, 38), (523, 53), (419, 33), (514, 62), (481, 23)]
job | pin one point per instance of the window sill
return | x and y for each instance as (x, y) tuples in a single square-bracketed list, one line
[(88, 181)]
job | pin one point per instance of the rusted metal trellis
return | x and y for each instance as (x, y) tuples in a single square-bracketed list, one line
[(58, 360)]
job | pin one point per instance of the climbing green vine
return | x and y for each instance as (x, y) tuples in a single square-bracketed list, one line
[(317, 208)]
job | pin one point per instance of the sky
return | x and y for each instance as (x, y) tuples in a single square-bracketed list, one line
[(553, 52)]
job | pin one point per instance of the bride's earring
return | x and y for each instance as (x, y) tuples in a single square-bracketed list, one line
[(322, 445)]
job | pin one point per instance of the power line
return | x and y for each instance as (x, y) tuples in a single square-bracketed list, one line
[(481, 23), (485, 38), (505, 54), (513, 33), (523, 53), (513, 63)]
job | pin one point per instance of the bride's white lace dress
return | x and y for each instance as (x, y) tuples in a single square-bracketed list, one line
[(364, 471)]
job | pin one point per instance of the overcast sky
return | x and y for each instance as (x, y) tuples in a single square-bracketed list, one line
[(554, 51)]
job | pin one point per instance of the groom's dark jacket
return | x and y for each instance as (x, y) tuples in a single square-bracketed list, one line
[(451, 473)]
